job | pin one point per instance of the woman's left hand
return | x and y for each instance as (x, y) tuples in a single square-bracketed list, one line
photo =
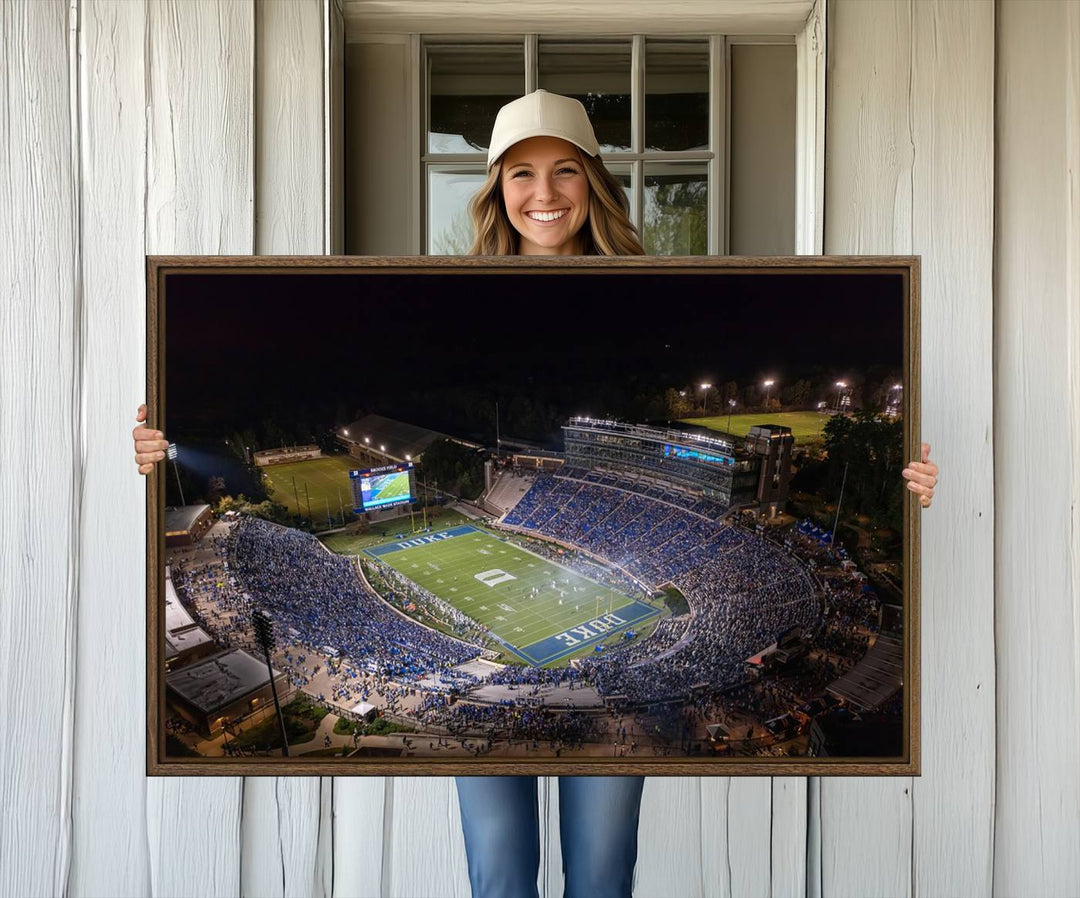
[(922, 477)]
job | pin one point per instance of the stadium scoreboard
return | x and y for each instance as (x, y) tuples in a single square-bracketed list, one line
[(383, 487)]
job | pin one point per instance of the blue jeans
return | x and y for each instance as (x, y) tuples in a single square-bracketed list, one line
[(598, 822)]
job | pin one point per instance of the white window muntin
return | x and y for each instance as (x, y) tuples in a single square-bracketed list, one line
[(714, 157)]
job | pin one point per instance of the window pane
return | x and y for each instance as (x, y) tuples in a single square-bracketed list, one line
[(467, 84), (676, 95), (597, 74), (624, 176), (449, 191), (676, 209)]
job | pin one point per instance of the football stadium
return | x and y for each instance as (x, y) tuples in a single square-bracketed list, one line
[(628, 574)]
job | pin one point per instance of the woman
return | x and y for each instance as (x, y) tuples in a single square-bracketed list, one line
[(548, 193)]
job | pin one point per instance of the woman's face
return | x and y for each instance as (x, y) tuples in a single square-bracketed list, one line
[(546, 195)]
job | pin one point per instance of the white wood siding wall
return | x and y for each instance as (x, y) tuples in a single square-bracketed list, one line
[(133, 128), (910, 152), (1037, 450)]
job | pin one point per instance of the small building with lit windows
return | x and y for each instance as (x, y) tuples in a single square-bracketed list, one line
[(186, 524), (227, 688)]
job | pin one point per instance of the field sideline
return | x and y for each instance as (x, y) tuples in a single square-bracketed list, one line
[(540, 611)]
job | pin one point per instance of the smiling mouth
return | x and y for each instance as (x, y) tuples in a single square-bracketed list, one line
[(554, 215)]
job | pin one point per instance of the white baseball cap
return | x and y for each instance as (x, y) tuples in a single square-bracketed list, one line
[(541, 114)]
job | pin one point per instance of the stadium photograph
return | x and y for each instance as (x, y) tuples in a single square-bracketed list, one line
[(573, 517)]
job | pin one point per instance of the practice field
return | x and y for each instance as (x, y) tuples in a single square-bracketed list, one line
[(326, 481), (539, 611), (806, 427)]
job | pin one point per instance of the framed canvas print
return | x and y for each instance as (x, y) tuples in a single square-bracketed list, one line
[(533, 516)]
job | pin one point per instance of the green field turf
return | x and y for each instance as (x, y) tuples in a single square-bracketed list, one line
[(806, 427), (439, 518), (394, 487), (449, 570), (326, 479)]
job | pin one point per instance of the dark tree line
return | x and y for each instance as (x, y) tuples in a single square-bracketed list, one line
[(872, 450), (456, 469)]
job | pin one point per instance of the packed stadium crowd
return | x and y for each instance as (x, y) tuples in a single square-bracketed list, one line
[(514, 675), (207, 584), (399, 589), (654, 540), (650, 489), (743, 590), (669, 635), (317, 597), (854, 608), (509, 720)]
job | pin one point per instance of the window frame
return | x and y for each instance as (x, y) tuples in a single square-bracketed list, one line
[(810, 118), (714, 159)]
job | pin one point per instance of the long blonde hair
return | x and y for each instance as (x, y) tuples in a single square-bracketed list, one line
[(607, 231)]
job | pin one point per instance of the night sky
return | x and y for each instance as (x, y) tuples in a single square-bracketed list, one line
[(429, 348)]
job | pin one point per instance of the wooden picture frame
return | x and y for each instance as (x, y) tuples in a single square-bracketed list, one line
[(483, 355)]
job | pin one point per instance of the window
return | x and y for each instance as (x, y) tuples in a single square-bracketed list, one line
[(659, 107), (701, 131)]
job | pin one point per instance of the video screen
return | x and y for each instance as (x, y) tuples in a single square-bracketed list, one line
[(382, 487), (671, 451)]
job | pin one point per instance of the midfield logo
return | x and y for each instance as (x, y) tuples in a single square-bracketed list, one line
[(494, 577)]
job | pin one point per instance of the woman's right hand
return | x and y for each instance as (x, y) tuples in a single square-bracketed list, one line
[(150, 445)]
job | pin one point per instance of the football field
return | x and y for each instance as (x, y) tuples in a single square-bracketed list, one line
[(540, 611), (324, 482)]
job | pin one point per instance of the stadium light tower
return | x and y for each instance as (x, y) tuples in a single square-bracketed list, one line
[(730, 406), (836, 520), (264, 638), (171, 452), (705, 402), (768, 389), (840, 385)]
